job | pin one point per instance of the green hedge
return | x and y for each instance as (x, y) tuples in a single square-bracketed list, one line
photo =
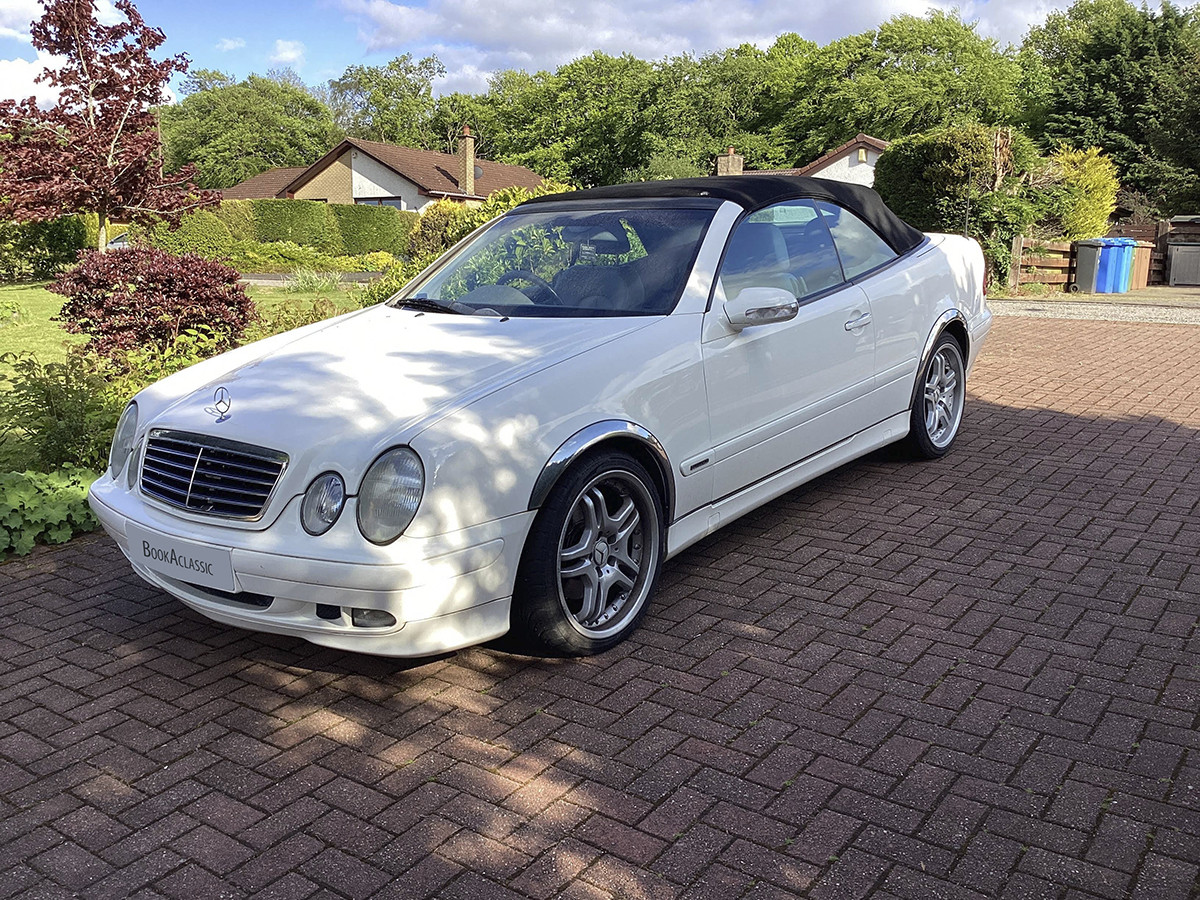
[(238, 216), (200, 232), (366, 229), (38, 250), (307, 222)]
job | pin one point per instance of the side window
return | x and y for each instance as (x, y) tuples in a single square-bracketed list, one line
[(860, 248), (786, 246)]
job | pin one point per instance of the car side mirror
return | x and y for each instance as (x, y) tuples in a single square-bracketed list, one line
[(760, 306)]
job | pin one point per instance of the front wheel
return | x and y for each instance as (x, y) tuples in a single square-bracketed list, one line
[(592, 558), (938, 407)]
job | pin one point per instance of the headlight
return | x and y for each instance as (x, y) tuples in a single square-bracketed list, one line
[(323, 502), (122, 444), (390, 494)]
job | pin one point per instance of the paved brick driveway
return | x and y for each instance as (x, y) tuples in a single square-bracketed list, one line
[(976, 677)]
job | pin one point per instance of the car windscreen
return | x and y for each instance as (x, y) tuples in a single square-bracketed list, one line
[(574, 263)]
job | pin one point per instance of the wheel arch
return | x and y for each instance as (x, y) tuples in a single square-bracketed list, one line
[(614, 434), (953, 323)]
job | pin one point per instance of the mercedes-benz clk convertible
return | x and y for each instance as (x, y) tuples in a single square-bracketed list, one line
[(519, 438)]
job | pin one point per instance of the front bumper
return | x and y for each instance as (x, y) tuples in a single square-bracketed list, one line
[(445, 592)]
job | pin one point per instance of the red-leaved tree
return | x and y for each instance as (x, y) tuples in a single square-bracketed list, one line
[(98, 149)]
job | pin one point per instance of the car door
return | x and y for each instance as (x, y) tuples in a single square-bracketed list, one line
[(895, 293), (781, 392)]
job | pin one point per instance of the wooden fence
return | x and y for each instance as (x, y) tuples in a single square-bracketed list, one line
[(1156, 233), (1039, 262), (1053, 264)]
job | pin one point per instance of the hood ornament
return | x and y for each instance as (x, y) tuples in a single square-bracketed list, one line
[(222, 403)]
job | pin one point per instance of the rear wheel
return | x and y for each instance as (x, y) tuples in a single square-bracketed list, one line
[(592, 558), (938, 407)]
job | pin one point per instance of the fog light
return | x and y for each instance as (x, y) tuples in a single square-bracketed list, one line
[(372, 618)]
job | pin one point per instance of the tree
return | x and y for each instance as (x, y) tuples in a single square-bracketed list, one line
[(98, 148), (1106, 73), (391, 103), (231, 131), (910, 75)]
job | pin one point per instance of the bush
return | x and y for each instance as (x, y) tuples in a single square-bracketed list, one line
[(142, 297), (64, 411), (308, 281), (443, 224), (200, 233), (284, 256), (395, 278), (945, 180), (366, 229), (37, 250), (43, 507), (288, 316), (1088, 195), (309, 223), (238, 216)]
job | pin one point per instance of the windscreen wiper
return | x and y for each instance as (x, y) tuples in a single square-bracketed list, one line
[(427, 304)]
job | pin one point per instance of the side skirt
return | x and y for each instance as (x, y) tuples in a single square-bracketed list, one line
[(700, 524)]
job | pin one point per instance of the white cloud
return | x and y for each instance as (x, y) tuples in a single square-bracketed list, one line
[(17, 79), (15, 18), (288, 53), (474, 39), (17, 15), (227, 44)]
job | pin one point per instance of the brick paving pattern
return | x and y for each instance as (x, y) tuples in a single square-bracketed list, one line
[(970, 678)]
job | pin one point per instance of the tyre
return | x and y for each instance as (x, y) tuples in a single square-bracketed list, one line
[(938, 406), (591, 560)]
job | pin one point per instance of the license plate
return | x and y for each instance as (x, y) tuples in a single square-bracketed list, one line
[(181, 559)]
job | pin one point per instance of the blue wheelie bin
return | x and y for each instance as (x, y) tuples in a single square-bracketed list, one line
[(1127, 247), (1110, 266)]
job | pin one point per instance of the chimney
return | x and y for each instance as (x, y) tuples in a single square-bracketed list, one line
[(730, 163), (466, 162)]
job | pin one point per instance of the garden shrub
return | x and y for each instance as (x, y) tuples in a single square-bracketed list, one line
[(284, 256), (200, 233), (308, 281), (395, 278), (238, 216), (366, 228), (144, 297), (1088, 193), (288, 316), (65, 412), (310, 223), (442, 225), (44, 507), (945, 181), (38, 250)]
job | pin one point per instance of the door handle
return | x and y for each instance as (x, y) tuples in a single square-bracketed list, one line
[(864, 319)]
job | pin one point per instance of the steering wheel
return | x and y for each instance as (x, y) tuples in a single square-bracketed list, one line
[(540, 283)]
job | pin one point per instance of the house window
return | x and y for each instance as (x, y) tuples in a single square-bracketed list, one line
[(397, 202)]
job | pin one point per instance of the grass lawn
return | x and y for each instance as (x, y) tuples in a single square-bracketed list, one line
[(35, 332)]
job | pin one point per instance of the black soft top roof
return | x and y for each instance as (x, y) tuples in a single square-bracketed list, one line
[(756, 191)]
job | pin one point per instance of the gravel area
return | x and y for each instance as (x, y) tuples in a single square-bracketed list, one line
[(1109, 312)]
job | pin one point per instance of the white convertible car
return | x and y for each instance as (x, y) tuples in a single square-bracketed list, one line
[(525, 433)]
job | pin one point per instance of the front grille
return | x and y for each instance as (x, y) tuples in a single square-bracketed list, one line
[(210, 475)]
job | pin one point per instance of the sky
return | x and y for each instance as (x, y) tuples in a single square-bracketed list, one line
[(473, 38)]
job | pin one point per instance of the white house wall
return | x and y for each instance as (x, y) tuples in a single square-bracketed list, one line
[(847, 168), (372, 179)]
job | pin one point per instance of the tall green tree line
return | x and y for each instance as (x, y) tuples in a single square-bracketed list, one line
[(1103, 73)]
